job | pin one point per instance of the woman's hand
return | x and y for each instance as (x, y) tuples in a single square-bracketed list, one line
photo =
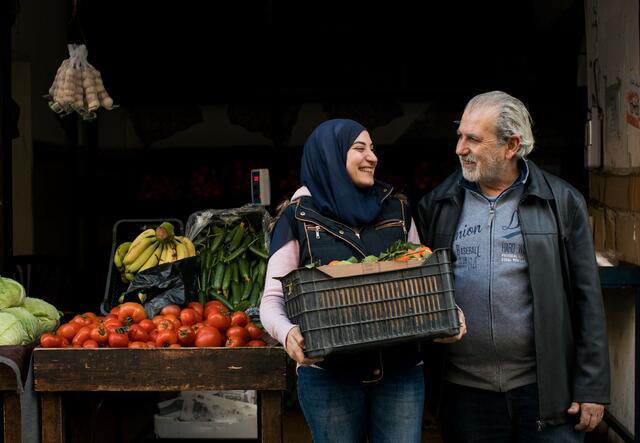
[(294, 345), (463, 330)]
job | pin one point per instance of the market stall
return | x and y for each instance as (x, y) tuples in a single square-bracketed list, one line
[(96, 370)]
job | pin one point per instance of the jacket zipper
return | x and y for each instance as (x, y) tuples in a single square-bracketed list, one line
[(492, 211), (390, 224), (335, 235)]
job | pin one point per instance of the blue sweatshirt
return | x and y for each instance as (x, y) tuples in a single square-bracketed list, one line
[(492, 288)]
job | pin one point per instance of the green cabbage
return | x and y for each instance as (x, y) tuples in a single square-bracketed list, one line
[(46, 313), (11, 293), (11, 331), (28, 320)]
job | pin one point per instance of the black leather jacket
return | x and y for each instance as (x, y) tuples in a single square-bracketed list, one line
[(570, 331)]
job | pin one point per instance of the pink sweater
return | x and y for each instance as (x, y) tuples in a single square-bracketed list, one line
[(272, 311)]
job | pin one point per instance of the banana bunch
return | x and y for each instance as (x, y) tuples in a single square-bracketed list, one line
[(150, 248)]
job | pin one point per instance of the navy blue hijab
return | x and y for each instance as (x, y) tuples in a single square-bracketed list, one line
[(323, 170)]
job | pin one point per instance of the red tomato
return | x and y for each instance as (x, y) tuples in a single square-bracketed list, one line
[(112, 323), (118, 340), (115, 310), (137, 344), (148, 325), (254, 331), (48, 340), (157, 319), (256, 343), (68, 330), (151, 344), (186, 335), (239, 331), (173, 319), (110, 315), (170, 309), (188, 317), (83, 334), (153, 335), (138, 333), (165, 325), (175, 345), (90, 344), (208, 337), (131, 313), (90, 315), (81, 319), (197, 326), (239, 318), (218, 320), (196, 306), (166, 338), (99, 334), (234, 341), (215, 305)]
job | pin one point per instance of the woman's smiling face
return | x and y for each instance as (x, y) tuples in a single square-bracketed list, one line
[(361, 161)]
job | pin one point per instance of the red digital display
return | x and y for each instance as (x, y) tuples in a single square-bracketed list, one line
[(256, 178)]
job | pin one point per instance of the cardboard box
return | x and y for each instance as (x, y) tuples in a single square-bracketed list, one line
[(616, 191), (598, 227), (627, 234), (367, 268), (596, 186)]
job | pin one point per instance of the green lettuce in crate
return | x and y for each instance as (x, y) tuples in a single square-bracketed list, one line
[(11, 293), (46, 313), (11, 331), (29, 322)]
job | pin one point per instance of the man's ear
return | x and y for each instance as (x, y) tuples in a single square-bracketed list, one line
[(513, 145)]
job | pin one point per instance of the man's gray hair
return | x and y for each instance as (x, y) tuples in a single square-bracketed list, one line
[(513, 118)]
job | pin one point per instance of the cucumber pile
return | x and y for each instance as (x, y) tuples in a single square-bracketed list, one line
[(233, 264)]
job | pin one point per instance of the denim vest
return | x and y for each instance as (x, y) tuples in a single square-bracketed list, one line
[(322, 240)]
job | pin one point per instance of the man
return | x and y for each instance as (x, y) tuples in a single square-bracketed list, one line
[(534, 364)]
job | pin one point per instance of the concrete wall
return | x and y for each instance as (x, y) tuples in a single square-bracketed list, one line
[(613, 77)]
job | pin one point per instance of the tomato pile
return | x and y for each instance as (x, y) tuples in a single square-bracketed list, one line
[(127, 325)]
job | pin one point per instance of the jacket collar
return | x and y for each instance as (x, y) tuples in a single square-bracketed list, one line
[(535, 183)]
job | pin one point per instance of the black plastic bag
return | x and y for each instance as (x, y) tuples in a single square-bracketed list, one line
[(169, 283)]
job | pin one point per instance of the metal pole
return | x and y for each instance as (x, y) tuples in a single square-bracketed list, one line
[(6, 162)]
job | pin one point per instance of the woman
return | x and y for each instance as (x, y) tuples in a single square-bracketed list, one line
[(339, 212)]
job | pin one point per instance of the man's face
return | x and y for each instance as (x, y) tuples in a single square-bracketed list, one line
[(482, 159)]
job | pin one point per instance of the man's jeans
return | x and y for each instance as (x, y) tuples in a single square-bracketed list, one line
[(341, 410), (476, 415)]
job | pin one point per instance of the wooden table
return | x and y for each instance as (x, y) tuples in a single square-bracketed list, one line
[(142, 370), (12, 415)]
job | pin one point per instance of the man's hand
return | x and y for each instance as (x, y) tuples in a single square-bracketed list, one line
[(590, 415), (463, 330), (295, 348)]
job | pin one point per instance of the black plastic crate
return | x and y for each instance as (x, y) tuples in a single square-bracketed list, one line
[(127, 230), (369, 310)]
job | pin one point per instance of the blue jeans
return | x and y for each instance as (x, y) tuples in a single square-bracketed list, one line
[(340, 410), (476, 415)]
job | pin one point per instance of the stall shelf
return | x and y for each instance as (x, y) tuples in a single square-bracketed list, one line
[(12, 417), (620, 277), (14, 368), (164, 370)]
